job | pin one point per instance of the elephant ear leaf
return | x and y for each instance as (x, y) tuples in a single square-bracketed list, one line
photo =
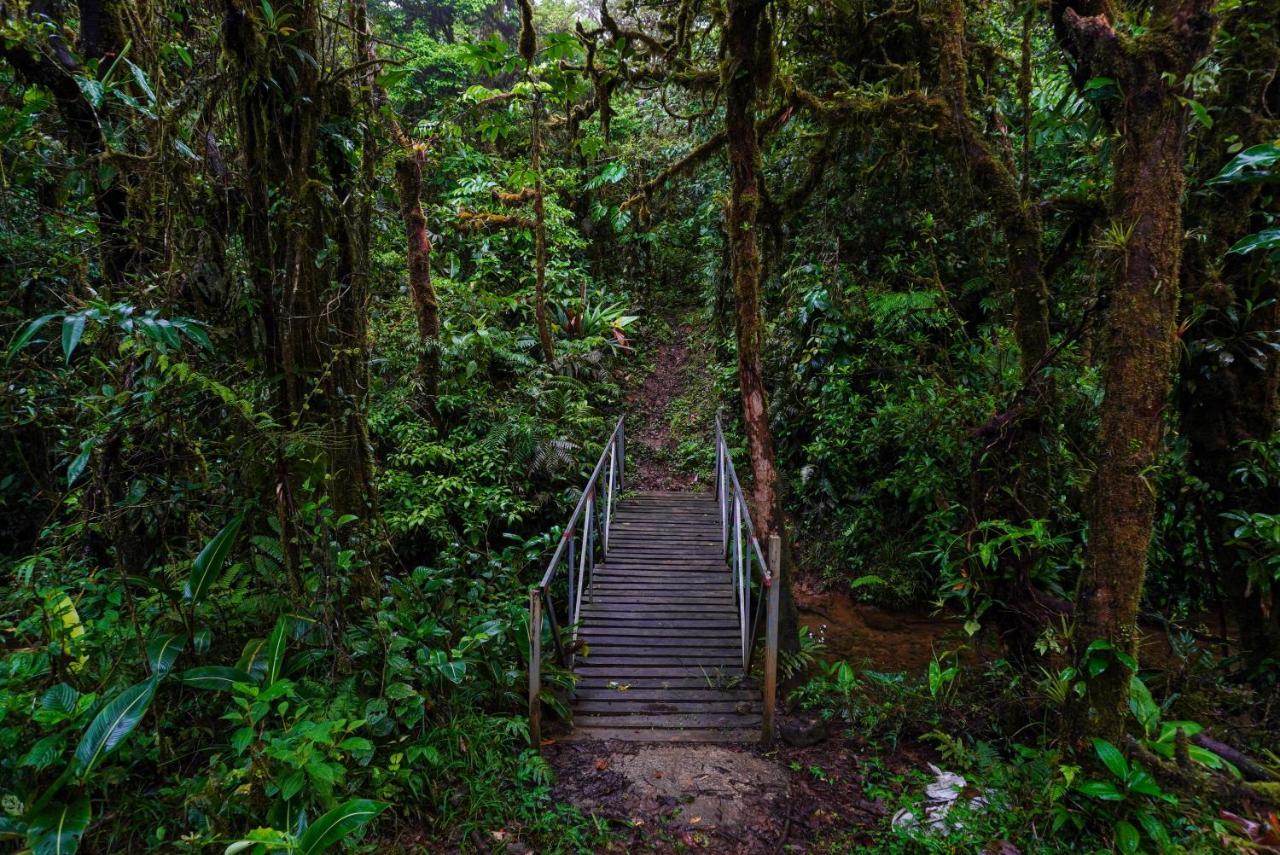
[(57, 829), (162, 652), (112, 724), (210, 560), (337, 824)]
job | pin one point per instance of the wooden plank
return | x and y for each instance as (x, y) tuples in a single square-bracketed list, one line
[(702, 620), (687, 720), (602, 684), (662, 597), (607, 634), (674, 693), (600, 652), (665, 586), (602, 607), (633, 664), (713, 675), (619, 733), (630, 707)]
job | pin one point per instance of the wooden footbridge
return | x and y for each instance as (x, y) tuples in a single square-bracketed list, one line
[(653, 601)]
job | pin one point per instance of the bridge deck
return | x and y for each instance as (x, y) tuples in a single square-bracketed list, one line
[(663, 656)]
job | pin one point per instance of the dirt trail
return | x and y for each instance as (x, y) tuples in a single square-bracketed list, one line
[(653, 443)]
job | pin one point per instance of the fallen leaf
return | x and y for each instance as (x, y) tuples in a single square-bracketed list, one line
[(602, 764)]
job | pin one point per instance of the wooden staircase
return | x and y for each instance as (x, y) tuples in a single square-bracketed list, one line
[(662, 659)]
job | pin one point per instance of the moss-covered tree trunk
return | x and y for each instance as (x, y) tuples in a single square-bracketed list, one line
[(1140, 325), (426, 308), (307, 255), (1011, 470), (747, 69)]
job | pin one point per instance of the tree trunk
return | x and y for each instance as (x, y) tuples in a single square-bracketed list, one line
[(1011, 474), (747, 68), (1139, 333), (312, 301), (426, 308)]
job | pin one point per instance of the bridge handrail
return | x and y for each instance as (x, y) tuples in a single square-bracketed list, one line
[(595, 529), (735, 521)]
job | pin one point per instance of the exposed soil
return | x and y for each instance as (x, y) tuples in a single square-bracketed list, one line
[(722, 798), (652, 441), (882, 639)]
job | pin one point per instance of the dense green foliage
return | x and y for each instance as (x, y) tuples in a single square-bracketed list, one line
[(268, 580)]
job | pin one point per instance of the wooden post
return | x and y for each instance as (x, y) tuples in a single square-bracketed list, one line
[(771, 640), (535, 668)]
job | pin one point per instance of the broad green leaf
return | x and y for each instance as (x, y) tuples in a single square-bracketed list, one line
[(252, 661), (1257, 163), (57, 829), (1265, 239), (1101, 790), (72, 332), (337, 824), (1140, 781), (1111, 757), (77, 465), (28, 333), (1154, 829), (273, 654), (203, 638), (112, 724), (210, 560), (1126, 837), (1144, 707), (162, 652), (61, 698), (140, 77), (216, 677)]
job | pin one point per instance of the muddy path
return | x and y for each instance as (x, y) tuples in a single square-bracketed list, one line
[(655, 421)]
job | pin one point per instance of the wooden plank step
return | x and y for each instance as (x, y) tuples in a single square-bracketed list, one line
[(691, 628), (731, 736), (602, 684), (664, 707), (675, 693), (688, 720), (677, 610), (662, 654), (712, 675), (638, 664), (661, 585), (620, 629), (661, 595)]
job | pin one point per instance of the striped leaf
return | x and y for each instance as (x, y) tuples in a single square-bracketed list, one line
[(57, 829), (273, 653), (214, 677), (337, 824), (112, 724), (210, 560), (162, 652)]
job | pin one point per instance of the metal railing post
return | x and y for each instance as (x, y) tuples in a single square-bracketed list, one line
[(773, 588), (535, 668), (608, 499), (573, 577)]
